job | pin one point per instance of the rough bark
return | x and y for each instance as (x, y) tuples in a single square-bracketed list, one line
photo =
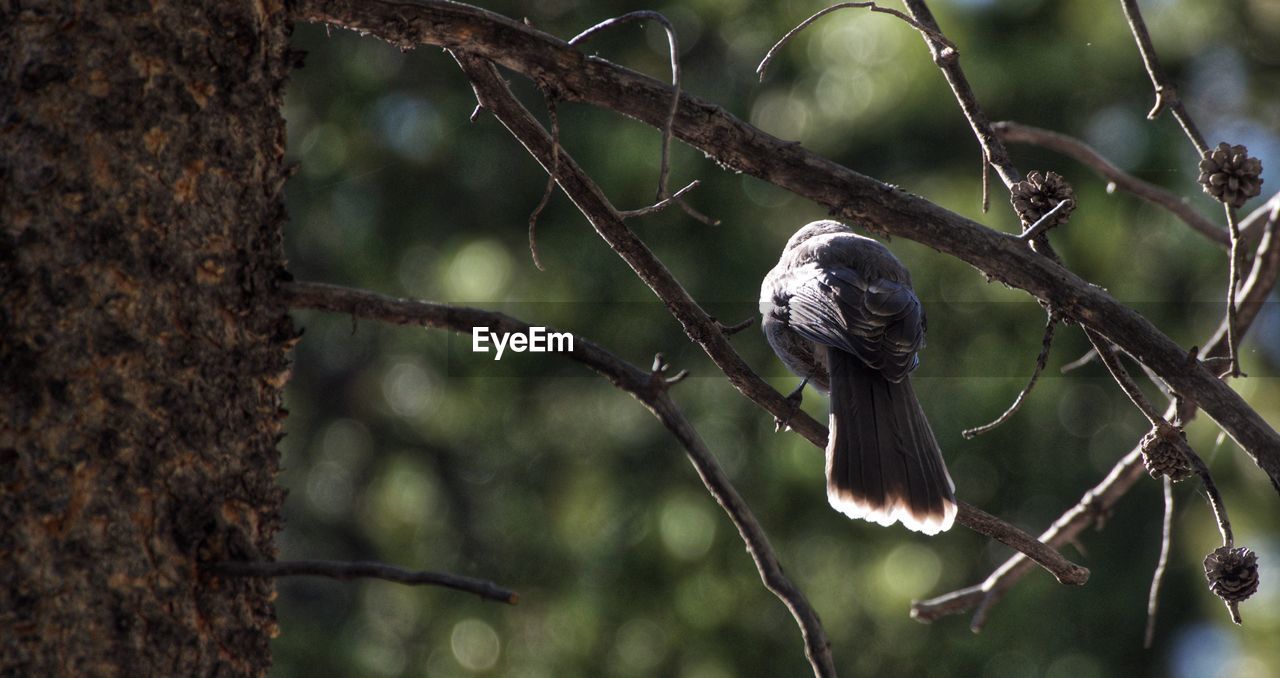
[(143, 342)]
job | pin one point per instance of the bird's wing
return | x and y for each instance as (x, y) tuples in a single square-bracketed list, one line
[(878, 320)]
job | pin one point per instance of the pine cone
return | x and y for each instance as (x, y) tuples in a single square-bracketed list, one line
[(1039, 193), (1232, 573), (1162, 453), (1230, 175)]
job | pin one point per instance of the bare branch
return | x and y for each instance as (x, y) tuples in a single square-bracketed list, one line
[(1041, 360), (1045, 222), (661, 204), (1065, 571), (1099, 500), (1233, 283), (1088, 357), (698, 325), (1166, 93), (362, 570), (551, 182), (849, 195), (1081, 152), (663, 196), (640, 383), (948, 60), (1166, 538), (1109, 358), (777, 46)]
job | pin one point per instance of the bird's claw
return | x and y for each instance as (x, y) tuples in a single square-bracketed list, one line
[(794, 399)]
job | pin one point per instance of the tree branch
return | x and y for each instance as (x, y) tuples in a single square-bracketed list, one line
[(863, 200), (1157, 577), (1084, 154), (362, 569), (1050, 325), (698, 325), (1100, 499), (641, 384), (948, 60), (1166, 92)]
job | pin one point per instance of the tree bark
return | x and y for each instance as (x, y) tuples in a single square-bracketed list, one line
[(143, 345)]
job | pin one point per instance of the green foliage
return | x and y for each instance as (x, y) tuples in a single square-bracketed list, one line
[(406, 448)]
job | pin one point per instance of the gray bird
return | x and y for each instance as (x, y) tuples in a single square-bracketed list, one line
[(840, 312)]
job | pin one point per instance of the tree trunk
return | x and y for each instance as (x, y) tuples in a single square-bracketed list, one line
[(142, 343)]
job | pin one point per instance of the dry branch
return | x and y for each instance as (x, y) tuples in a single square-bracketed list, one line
[(850, 195), (701, 327), (363, 570), (1098, 501), (1084, 154), (641, 384)]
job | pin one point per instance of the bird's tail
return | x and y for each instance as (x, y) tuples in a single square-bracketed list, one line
[(883, 463)]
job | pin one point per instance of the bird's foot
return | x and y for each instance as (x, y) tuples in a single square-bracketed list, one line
[(794, 399)]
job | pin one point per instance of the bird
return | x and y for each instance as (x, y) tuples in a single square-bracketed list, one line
[(840, 312)]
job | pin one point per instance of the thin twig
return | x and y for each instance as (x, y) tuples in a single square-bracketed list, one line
[(551, 182), (1107, 351), (777, 46), (362, 570), (947, 58), (1233, 283), (1084, 154), (661, 204), (1166, 538), (1043, 358), (1065, 571), (1212, 495), (1166, 92), (1045, 222), (663, 196), (1088, 357)]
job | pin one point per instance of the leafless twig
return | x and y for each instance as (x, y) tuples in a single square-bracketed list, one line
[(1118, 372), (777, 46), (1045, 222), (362, 570), (1166, 92), (1046, 343), (663, 196), (1166, 538), (661, 204), (947, 57), (551, 182), (1233, 283), (1081, 152), (1088, 357)]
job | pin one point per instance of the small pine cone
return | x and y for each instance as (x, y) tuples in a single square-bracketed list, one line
[(1039, 193), (1230, 175), (1232, 573), (1162, 453)]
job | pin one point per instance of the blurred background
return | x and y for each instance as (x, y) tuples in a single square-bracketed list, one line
[(405, 447)]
